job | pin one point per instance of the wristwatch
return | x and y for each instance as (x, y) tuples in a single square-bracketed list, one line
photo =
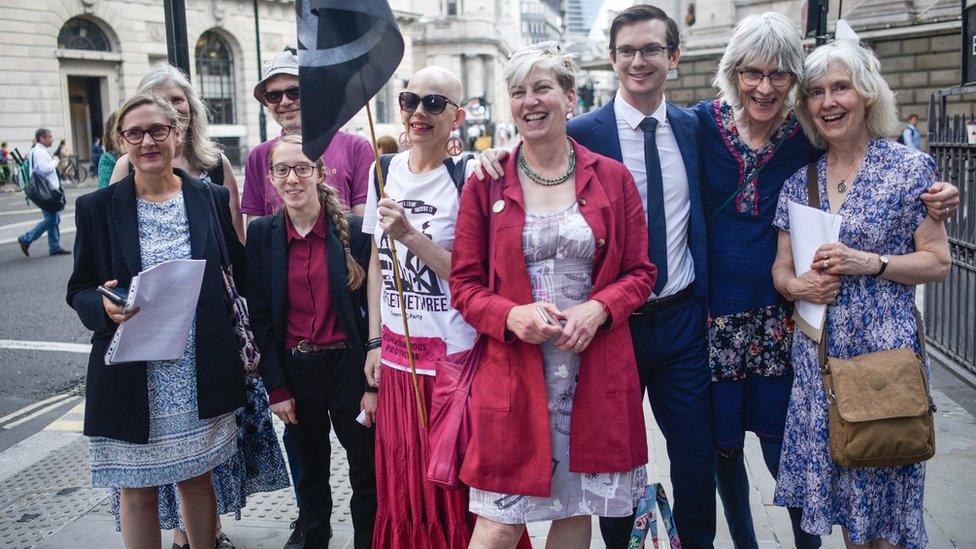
[(884, 264)]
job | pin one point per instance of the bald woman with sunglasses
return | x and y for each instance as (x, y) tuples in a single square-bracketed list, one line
[(418, 213)]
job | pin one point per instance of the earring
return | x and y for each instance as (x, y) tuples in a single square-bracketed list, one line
[(455, 146), (405, 142)]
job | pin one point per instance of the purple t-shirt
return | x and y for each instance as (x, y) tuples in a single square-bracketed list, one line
[(347, 162)]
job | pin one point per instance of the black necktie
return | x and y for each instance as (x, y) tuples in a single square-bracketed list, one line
[(656, 222)]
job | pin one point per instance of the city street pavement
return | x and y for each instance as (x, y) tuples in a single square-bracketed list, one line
[(43, 345), (46, 499)]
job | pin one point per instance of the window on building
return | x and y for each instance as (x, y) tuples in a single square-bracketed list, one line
[(385, 113), (451, 7), (81, 34), (215, 76)]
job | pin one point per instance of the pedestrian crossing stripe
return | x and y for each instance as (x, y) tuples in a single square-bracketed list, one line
[(73, 421)]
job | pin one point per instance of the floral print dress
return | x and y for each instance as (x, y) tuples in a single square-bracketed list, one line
[(181, 445), (257, 465), (880, 215)]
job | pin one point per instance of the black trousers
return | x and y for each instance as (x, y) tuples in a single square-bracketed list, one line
[(328, 386)]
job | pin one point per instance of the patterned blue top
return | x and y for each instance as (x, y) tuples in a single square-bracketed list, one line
[(741, 238)]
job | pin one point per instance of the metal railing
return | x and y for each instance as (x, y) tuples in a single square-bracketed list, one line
[(950, 307)]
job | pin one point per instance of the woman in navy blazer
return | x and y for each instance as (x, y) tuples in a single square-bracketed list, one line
[(158, 422)]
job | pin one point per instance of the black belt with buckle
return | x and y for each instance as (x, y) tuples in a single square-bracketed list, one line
[(307, 348), (661, 303)]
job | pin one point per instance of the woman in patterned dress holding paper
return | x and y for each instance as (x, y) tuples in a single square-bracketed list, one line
[(158, 422), (888, 245)]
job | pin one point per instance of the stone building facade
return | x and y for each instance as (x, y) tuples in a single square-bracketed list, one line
[(918, 41), (66, 64)]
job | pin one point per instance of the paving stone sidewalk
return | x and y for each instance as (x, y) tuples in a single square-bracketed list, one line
[(46, 499)]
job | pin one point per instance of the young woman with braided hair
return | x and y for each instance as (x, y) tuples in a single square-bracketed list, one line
[(305, 288)]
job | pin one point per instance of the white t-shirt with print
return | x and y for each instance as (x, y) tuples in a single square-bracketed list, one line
[(431, 203)]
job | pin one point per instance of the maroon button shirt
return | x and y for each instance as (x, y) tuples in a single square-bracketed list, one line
[(310, 313)]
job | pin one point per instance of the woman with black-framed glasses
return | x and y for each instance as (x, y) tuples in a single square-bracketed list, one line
[(306, 293), (753, 143), (158, 423)]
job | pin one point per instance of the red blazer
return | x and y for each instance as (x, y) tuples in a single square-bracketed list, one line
[(510, 450)]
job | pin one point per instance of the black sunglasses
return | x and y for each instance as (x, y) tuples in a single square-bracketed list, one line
[(434, 103), (275, 96)]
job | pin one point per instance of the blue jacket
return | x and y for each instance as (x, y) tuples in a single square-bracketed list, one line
[(597, 131)]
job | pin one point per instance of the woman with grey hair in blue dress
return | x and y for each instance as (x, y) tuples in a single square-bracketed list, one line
[(888, 245), (753, 142)]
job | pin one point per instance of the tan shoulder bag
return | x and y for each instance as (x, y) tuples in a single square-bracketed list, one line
[(880, 412)]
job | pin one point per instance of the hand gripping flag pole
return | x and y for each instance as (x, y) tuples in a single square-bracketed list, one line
[(347, 53), (398, 280)]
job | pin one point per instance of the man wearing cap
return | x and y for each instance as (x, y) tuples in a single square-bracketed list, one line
[(347, 160)]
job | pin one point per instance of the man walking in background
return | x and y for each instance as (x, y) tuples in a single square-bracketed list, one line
[(43, 164)]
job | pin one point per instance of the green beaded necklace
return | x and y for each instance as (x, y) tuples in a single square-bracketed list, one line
[(545, 181)]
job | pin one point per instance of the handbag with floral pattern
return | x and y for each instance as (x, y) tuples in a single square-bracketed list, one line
[(236, 306)]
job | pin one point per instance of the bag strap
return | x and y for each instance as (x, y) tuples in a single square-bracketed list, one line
[(218, 234), (813, 186), (217, 172), (384, 165), (457, 169)]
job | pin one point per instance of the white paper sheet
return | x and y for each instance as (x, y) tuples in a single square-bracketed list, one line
[(810, 228), (166, 295)]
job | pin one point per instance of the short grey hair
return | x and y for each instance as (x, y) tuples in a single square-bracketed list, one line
[(758, 41), (864, 69), (546, 56), (200, 152)]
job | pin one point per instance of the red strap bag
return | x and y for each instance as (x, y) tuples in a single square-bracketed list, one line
[(450, 422)]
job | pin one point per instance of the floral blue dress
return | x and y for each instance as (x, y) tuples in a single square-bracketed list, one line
[(750, 329), (880, 215), (180, 445), (257, 465)]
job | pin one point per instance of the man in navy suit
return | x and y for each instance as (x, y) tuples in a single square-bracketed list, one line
[(660, 144)]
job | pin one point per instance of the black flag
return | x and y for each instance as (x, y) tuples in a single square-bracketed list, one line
[(347, 51)]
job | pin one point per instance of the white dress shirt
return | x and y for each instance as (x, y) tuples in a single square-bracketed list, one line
[(677, 201), (44, 165)]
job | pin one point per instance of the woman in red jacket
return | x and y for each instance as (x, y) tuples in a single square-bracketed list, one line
[(558, 425)]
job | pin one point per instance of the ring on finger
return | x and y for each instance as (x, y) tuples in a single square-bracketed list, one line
[(826, 263)]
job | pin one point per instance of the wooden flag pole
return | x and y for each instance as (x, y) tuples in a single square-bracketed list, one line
[(398, 280)]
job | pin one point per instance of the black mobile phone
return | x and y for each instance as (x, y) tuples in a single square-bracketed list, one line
[(115, 295)]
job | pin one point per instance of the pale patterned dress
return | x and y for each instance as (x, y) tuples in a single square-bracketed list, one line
[(559, 252), (181, 445)]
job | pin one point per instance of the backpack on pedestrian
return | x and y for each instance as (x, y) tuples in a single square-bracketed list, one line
[(39, 191)]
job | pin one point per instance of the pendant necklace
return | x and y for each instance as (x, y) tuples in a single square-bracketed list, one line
[(842, 184)]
